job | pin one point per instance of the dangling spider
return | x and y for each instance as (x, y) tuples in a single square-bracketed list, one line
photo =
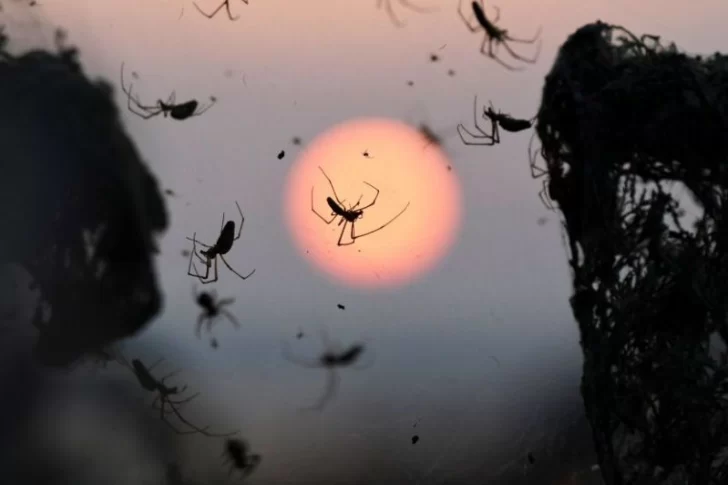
[(495, 36), (236, 453), (350, 215), (211, 309), (222, 246), (331, 359), (164, 402), (497, 119), (177, 111)]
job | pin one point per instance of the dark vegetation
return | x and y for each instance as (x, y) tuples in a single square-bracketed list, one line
[(623, 120)]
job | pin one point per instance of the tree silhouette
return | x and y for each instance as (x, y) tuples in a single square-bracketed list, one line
[(78, 207), (622, 119)]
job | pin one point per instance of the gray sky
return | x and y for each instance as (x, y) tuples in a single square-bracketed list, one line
[(502, 290)]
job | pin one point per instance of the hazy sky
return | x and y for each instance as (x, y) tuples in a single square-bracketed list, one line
[(296, 68)]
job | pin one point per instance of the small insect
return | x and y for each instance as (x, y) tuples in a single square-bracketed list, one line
[(222, 246), (351, 215), (451, 72), (296, 141), (341, 307), (176, 111), (169, 192), (226, 4), (497, 120), (299, 334), (211, 309), (541, 221), (164, 400), (531, 459), (434, 58), (495, 36), (387, 4), (236, 452), (281, 154), (366, 154), (410, 83), (415, 439), (213, 343), (331, 359)]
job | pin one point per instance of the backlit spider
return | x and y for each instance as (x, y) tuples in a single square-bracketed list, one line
[(350, 215), (331, 359), (177, 111), (222, 246), (495, 36)]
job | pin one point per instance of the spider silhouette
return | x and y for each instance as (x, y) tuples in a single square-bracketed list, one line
[(351, 215), (331, 359), (211, 309), (496, 36), (222, 246), (176, 111)]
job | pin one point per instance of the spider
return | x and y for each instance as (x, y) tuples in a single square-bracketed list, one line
[(350, 215), (331, 359), (151, 384), (177, 111), (225, 4), (211, 309), (495, 36), (237, 453), (221, 247), (505, 121), (405, 3)]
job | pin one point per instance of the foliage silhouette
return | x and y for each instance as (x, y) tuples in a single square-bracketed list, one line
[(79, 207), (621, 119)]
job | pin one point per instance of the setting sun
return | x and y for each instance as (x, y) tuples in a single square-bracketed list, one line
[(361, 157)]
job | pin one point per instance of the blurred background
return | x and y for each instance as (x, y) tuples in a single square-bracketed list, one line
[(478, 357)]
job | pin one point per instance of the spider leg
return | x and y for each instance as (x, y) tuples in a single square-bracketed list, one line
[(536, 171), (185, 400), (225, 3), (290, 357), (525, 41), (390, 11), (489, 41), (332, 384), (313, 209), (144, 112), (357, 236), (225, 301), (374, 201), (468, 23), (198, 327), (357, 203), (231, 317), (545, 199), (515, 55), (191, 265), (214, 278), (231, 269), (341, 235), (417, 8), (332, 187), (242, 221), (482, 139), (485, 138)]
